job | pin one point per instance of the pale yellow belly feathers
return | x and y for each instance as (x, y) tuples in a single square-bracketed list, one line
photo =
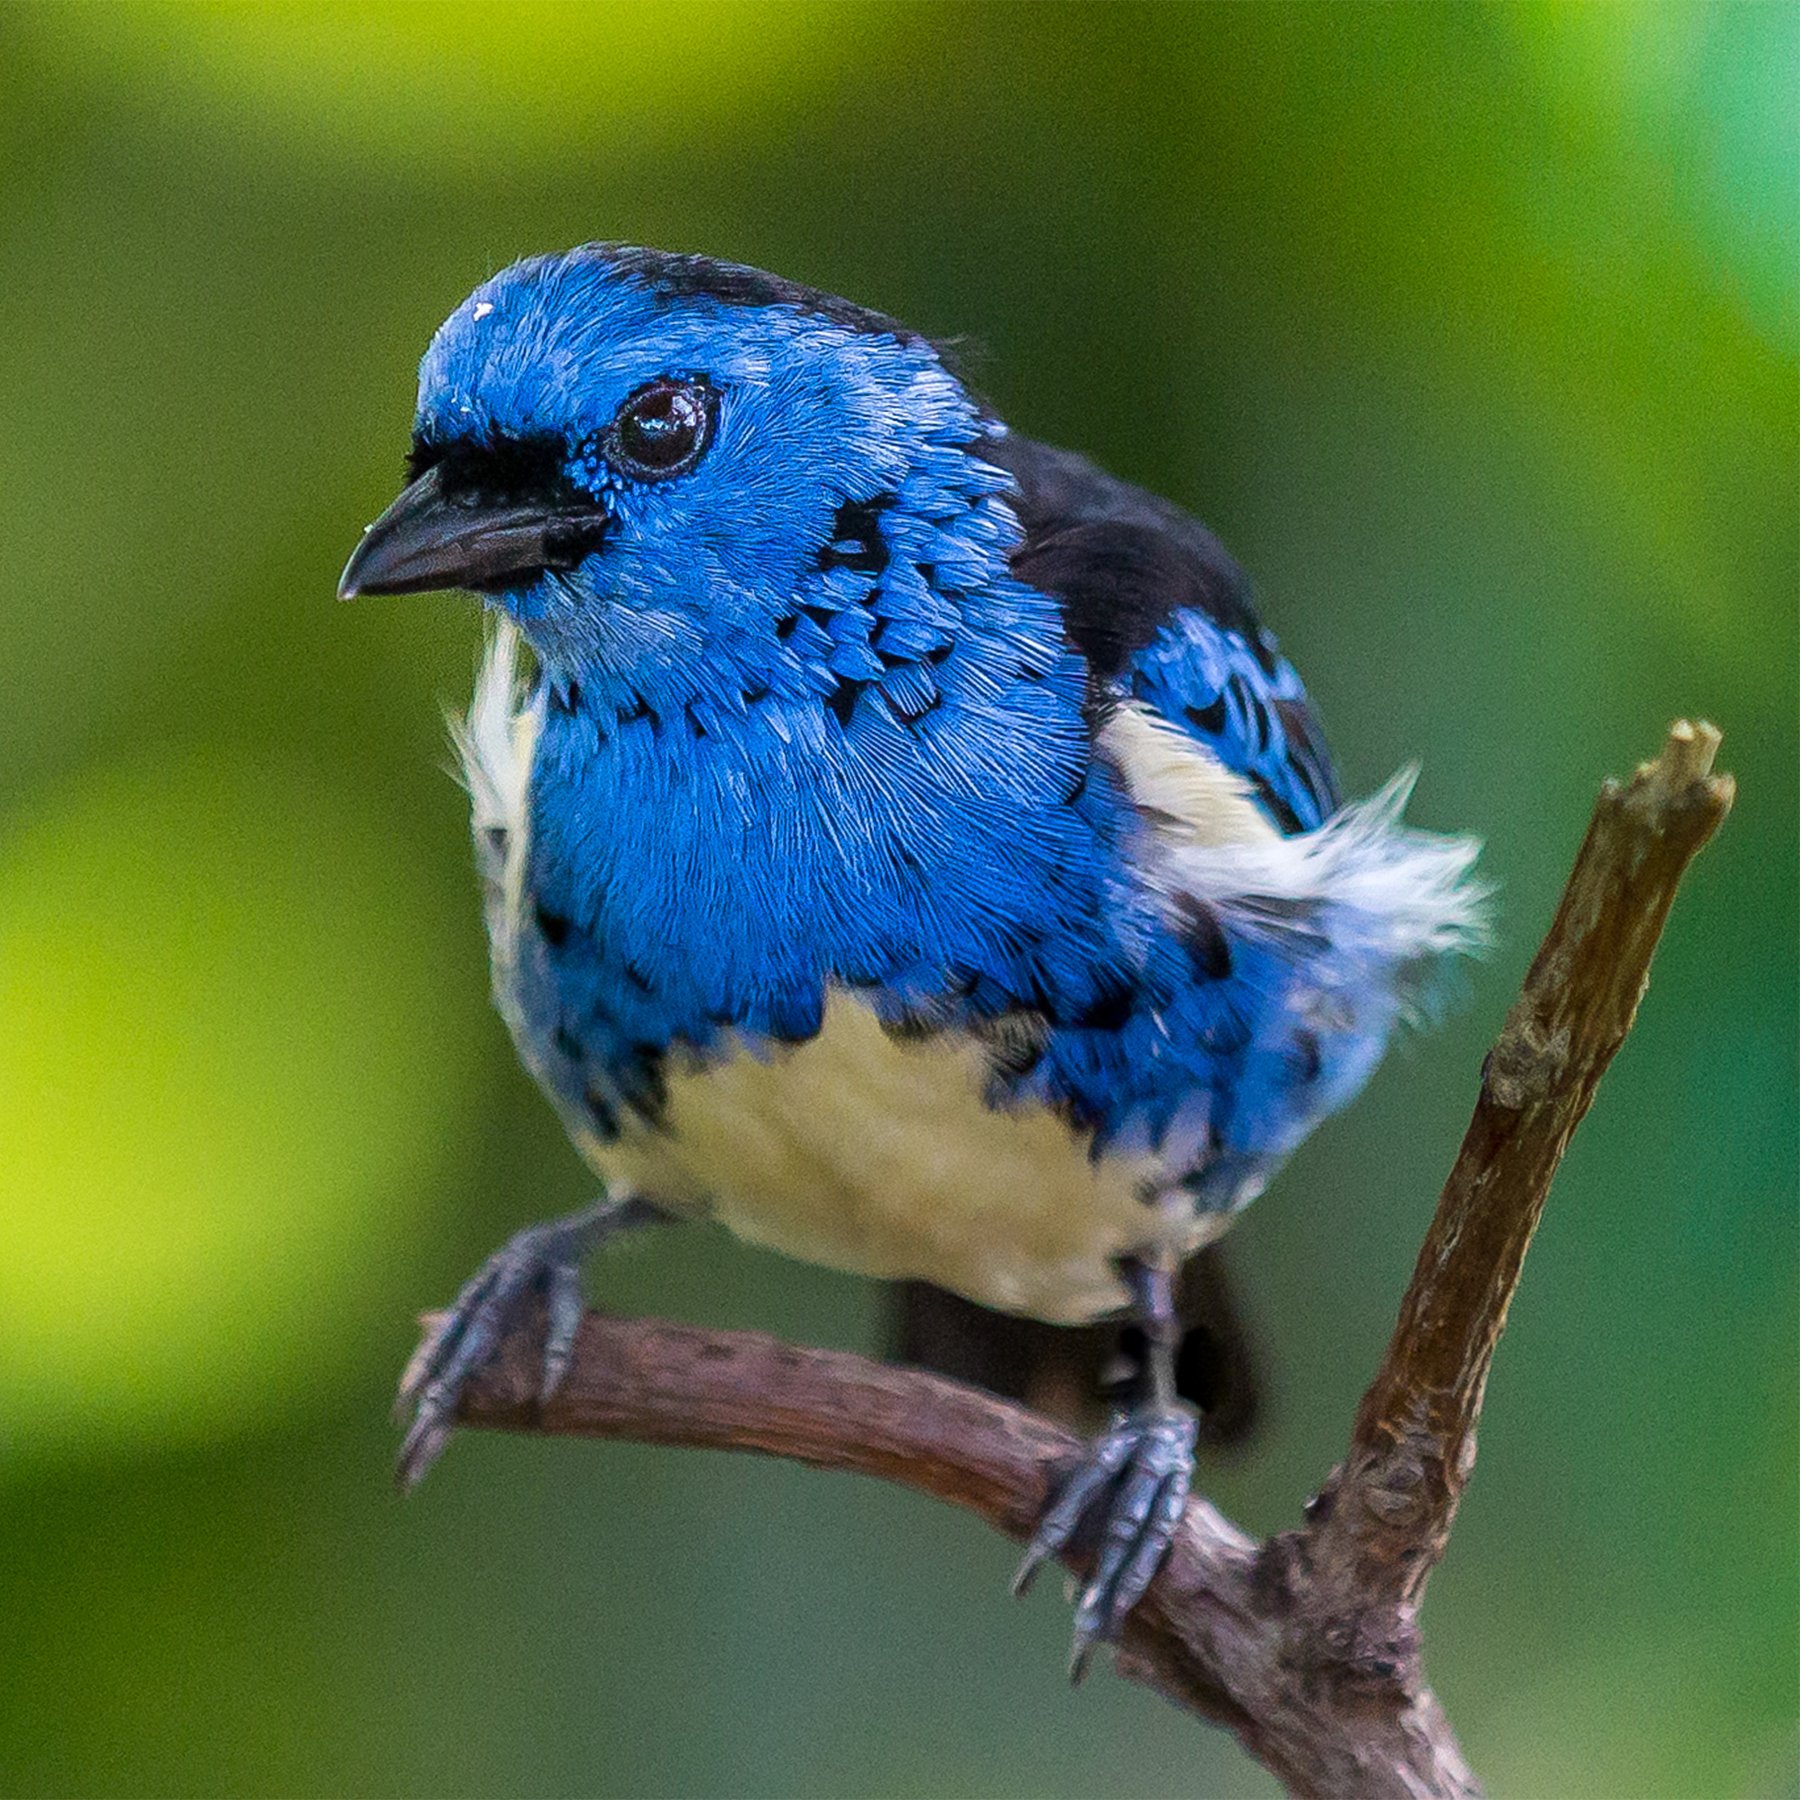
[(864, 1152)]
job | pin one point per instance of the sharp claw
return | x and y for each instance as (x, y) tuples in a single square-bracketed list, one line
[(425, 1441), (439, 1348), (1027, 1571), (1104, 1458), (426, 1360), (1090, 1617), (435, 1417), (544, 1259), (461, 1343), (1134, 1482), (412, 1378), (1081, 1656)]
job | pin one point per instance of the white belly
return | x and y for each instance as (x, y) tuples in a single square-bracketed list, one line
[(864, 1153)]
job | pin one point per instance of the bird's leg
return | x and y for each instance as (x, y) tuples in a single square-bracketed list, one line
[(1130, 1488), (542, 1262)]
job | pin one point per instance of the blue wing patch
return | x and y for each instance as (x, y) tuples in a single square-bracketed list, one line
[(1245, 703)]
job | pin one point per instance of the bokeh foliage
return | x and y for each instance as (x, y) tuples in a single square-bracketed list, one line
[(1473, 330)]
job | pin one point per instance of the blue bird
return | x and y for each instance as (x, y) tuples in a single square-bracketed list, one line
[(901, 841)]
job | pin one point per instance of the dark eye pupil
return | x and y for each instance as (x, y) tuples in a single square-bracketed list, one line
[(659, 430)]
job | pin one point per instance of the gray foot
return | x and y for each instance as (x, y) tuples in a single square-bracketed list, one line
[(541, 1263), (1128, 1493)]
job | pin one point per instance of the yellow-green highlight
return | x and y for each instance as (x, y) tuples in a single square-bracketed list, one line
[(230, 1074)]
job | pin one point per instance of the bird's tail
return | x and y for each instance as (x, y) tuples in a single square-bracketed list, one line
[(1073, 1372)]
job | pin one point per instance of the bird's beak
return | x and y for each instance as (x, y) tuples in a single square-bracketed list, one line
[(427, 540)]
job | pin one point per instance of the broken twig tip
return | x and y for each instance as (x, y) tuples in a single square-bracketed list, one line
[(1688, 755)]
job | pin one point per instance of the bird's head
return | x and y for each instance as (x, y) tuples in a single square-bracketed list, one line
[(643, 458)]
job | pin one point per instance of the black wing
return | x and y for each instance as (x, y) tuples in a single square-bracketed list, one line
[(1161, 612)]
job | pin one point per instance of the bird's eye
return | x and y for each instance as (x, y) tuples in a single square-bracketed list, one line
[(662, 429)]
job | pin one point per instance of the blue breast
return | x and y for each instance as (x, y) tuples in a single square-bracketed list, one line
[(696, 905)]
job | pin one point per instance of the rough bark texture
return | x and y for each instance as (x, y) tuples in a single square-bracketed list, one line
[(1380, 1527), (1306, 1646)]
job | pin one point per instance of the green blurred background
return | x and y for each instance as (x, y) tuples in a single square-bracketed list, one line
[(1473, 330)]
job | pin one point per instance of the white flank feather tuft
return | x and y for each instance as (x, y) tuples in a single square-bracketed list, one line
[(486, 736), (1379, 891)]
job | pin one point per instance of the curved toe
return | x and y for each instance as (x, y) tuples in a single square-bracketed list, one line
[(1126, 1495), (542, 1262)]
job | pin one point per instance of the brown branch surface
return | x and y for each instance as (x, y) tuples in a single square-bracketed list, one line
[(1382, 1524), (1306, 1646)]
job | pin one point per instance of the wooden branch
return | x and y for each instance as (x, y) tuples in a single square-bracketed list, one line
[(1305, 1646), (1381, 1525)]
